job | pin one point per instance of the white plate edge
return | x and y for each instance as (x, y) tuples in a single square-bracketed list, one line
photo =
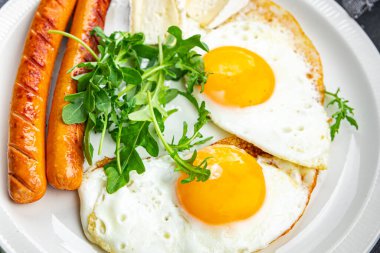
[(369, 59), (10, 14)]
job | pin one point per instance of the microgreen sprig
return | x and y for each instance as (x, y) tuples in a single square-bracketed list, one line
[(123, 93), (200, 172), (344, 112)]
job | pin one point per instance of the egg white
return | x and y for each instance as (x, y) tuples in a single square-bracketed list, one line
[(292, 124), (145, 216)]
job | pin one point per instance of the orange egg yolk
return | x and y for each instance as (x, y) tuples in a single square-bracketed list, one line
[(234, 191), (237, 77)]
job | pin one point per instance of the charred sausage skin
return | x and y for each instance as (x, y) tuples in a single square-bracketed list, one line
[(64, 142), (26, 143)]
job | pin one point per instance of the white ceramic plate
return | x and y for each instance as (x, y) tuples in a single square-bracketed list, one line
[(343, 215)]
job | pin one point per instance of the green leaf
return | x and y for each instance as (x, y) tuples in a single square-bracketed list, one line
[(140, 115), (76, 97), (92, 117), (115, 180), (137, 134), (131, 76), (185, 45), (103, 102), (89, 101), (343, 112), (186, 142), (145, 51), (83, 81), (352, 122), (159, 119), (134, 135), (87, 146), (97, 31), (140, 98), (167, 96), (85, 65), (115, 75), (74, 113), (182, 46)]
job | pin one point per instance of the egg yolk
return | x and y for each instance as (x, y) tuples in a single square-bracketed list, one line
[(238, 77), (234, 191)]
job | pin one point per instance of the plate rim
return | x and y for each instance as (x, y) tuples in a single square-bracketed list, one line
[(368, 57)]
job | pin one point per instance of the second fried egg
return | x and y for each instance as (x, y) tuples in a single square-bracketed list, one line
[(246, 204)]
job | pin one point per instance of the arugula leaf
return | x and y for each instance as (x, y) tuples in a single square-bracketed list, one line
[(344, 112), (103, 102), (185, 142), (167, 96), (131, 76), (116, 180), (85, 65), (181, 46), (89, 100), (146, 51), (82, 81), (76, 98), (97, 31), (137, 134), (75, 112)]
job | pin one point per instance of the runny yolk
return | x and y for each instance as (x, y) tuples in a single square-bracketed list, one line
[(238, 77), (234, 191)]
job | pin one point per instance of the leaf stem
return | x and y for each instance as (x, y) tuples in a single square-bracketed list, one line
[(160, 52), (153, 70), (157, 127), (103, 134), (87, 143), (68, 35), (118, 149), (125, 90)]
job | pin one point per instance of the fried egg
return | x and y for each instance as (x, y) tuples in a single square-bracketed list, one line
[(265, 87), (246, 204)]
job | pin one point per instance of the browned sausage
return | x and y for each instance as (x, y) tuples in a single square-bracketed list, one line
[(64, 142), (26, 144)]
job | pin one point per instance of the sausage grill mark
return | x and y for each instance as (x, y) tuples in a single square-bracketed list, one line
[(22, 152), (48, 20), (25, 119), (100, 15), (21, 182), (29, 89), (60, 3)]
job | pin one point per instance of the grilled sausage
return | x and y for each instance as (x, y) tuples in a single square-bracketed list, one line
[(64, 142), (26, 144)]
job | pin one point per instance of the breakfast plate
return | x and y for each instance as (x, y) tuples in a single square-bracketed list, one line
[(343, 212)]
